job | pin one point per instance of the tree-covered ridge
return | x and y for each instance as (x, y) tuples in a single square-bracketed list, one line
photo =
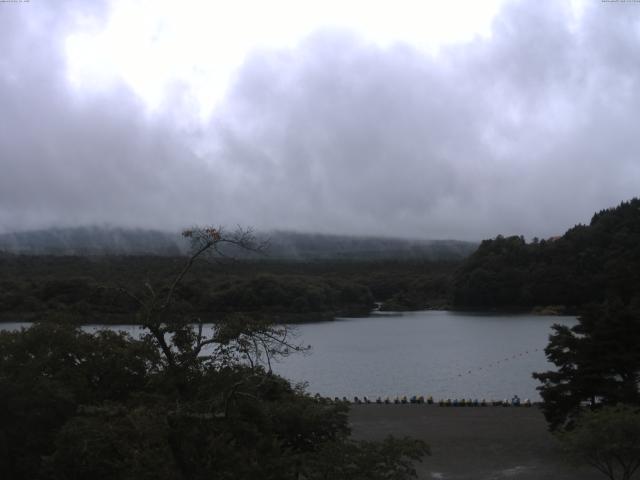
[(587, 264), (283, 245), (84, 289)]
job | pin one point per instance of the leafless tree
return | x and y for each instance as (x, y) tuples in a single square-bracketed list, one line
[(183, 341)]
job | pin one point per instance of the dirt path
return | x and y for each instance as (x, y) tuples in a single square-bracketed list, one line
[(482, 443)]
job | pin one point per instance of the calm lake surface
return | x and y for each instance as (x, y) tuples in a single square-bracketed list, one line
[(443, 354)]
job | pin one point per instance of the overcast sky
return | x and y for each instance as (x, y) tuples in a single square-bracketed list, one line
[(432, 120)]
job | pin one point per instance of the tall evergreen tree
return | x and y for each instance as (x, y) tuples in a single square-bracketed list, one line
[(598, 362)]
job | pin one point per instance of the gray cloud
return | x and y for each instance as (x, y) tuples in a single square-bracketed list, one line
[(72, 159), (527, 132)]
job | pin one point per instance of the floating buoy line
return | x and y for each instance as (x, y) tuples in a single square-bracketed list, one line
[(448, 402), (404, 400), (494, 364)]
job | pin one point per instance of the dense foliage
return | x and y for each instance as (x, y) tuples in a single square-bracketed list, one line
[(105, 406), (86, 289), (178, 403), (587, 264), (598, 363), (607, 439)]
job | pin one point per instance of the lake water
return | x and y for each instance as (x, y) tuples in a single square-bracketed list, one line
[(443, 354)]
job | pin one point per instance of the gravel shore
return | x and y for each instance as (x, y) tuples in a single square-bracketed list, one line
[(474, 443)]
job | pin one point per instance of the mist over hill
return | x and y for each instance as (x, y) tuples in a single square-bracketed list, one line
[(283, 245), (93, 241), (293, 245)]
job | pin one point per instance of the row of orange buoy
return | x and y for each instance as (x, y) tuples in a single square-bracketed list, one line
[(514, 402)]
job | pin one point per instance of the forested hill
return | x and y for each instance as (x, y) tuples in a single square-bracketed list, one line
[(587, 264), (303, 246), (93, 240), (281, 245)]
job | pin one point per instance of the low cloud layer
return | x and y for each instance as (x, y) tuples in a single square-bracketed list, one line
[(527, 132)]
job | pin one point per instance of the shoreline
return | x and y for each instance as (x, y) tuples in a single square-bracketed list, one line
[(288, 318)]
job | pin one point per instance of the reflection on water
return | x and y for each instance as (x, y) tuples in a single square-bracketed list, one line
[(444, 354)]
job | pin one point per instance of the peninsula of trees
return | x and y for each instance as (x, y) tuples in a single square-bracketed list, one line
[(587, 264)]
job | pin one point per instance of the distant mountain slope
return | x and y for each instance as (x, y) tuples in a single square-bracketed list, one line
[(93, 241), (303, 246), (282, 245), (586, 264)]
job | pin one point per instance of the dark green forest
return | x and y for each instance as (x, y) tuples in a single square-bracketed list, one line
[(177, 403), (79, 405), (78, 274), (75, 405), (89, 289), (587, 264)]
